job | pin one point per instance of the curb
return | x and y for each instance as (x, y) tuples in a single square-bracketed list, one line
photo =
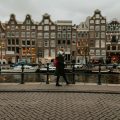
[(64, 91)]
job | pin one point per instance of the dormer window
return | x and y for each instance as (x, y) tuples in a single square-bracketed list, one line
[(82, 25), (46, 21), (27, 21), (12, 22), (97, 16)]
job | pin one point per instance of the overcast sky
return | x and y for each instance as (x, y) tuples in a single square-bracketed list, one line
[(75, 10)]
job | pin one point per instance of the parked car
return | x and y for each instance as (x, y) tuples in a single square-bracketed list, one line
[(78, 65), (51, 68), (18, 64), (109, 66)]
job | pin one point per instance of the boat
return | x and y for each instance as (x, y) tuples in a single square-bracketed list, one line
[(18, 68), (101, 71)]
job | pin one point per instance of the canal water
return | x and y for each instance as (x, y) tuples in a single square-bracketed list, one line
[(81, 77)]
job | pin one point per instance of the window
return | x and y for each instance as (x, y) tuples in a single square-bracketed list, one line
[(12, 27), (92, 52), (68, 42), (33, 42), (97, 52), (13, 48), (59, 41), (17, 41), (59, 28), (46, 53), (103, 52), (64, 35), (97, 35), (59, 35), (27, 34), (46, 28), (27, 21), (22, 34), (40, 52), (119, 47), (17, 49), (91, 34), (91, 27), (102, 34), (74, 35), (46, 35), (13, 42), (97, 21), (63, 27), (52, 43), (114, 38), (28, 42), (97, 28), (27, 27), (33, 35), (46, 43), (39, 27), (68, 35), (17, 34), (102, 28), (91, 21), (68, 28), (52, 53), (63, 41), (9, 48), (23, 27), (39, 35), (52, 27), (108, 47), (113, 47), (53, 35), (46, 21), (102, 43), (40, 44), (33, 27), (102, 21), (97, 43), (9, 41), (97, 15), (23, 42)]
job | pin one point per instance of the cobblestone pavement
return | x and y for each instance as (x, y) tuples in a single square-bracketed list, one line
[(59, 106), (43, 87)]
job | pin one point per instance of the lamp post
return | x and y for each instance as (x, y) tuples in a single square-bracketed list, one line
[(1, 55)]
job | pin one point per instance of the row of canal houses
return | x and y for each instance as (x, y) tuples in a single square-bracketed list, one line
[(31, 41)]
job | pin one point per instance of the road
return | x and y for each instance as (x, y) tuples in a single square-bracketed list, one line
[(59, 106)]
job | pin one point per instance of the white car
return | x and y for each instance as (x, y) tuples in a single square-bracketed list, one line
[(20, 67), (78, 66), (51, 68)]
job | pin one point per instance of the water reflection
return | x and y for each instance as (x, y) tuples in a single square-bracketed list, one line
[(79, 77)]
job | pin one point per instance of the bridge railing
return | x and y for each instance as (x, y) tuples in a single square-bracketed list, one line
[(98, 73)]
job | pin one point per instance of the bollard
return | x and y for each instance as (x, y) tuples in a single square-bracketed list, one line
[(99, 75), (22, 74), (47, 81), (73, 73)]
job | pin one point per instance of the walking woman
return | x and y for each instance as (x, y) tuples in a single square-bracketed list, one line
[(60, 68)]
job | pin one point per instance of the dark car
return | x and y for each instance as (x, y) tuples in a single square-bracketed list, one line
[(16, 64)]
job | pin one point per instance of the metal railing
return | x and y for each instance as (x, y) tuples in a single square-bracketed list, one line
[(84, 74)]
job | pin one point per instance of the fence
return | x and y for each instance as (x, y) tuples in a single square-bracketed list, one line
[(86, 74)]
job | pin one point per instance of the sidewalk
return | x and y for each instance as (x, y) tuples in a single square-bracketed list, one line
[(77, 88)]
